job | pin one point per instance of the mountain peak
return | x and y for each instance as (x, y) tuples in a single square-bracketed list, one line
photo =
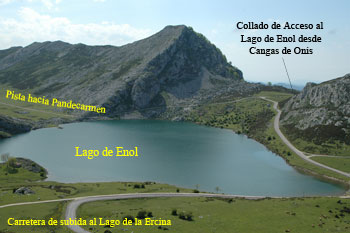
[(177, 61)]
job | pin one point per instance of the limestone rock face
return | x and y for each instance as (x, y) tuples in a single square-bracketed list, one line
[(326, 105)]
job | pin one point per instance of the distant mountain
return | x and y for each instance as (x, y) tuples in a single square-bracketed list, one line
[(287, 85), (175, 65), (321, 112)]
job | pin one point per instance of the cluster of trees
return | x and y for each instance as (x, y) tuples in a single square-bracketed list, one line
[(10, 163)]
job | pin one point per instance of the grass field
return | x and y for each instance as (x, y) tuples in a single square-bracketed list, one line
[(219, 215), (334, 148), (340, 163), (274, 95), (37, 211)]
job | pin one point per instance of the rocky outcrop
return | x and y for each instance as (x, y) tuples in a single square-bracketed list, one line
[(321, 110), (10, 126), (23, 191), (30, 166)]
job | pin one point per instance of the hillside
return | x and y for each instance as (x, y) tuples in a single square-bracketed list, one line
[(320, 113), (175, 63)]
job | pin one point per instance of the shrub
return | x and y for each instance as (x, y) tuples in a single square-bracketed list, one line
[(182, 216), (141, 214), (189, 216), (174, 212), (186, 216), (129, 217)]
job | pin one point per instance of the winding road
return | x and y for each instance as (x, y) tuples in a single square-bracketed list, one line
[(292, 147)]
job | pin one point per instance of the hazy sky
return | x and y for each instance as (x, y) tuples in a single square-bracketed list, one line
[(98, 22)]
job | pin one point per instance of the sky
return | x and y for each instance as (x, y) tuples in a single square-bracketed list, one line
[(116, 22)]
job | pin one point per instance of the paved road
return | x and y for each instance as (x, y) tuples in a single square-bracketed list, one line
[(73, 206), (293, 148)]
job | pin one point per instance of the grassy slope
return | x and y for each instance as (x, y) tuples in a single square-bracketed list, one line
[(326, 148), (339, 163), (38, 211), (254, 117), (38, 112), (334, 148), (237, 215)]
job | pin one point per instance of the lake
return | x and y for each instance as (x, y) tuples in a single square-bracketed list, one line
[(177, 153)]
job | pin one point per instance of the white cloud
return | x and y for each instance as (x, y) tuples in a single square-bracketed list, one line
[(32, 26), (5, 2), (49, 4)]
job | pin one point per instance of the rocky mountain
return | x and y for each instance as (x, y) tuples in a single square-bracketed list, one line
[(174, 66), (321, 112)]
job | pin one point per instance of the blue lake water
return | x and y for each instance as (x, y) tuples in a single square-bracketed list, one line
[(178, 153)]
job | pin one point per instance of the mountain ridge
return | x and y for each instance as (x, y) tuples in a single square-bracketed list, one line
[(176, 60)]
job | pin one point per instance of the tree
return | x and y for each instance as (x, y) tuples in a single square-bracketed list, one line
[(174, 212), (12, 162), (217, 189), (5, 157), (269, 83)]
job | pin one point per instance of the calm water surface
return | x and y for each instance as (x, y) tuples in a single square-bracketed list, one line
[(182, 154)]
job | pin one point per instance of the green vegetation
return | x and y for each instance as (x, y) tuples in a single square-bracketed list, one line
[(274, 95), (49, 190), (254, 117), (340, 163), (26, 110), (302, 140), (43, 211), (278, 146), (11, 173), (227, 215), (243, 116)]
